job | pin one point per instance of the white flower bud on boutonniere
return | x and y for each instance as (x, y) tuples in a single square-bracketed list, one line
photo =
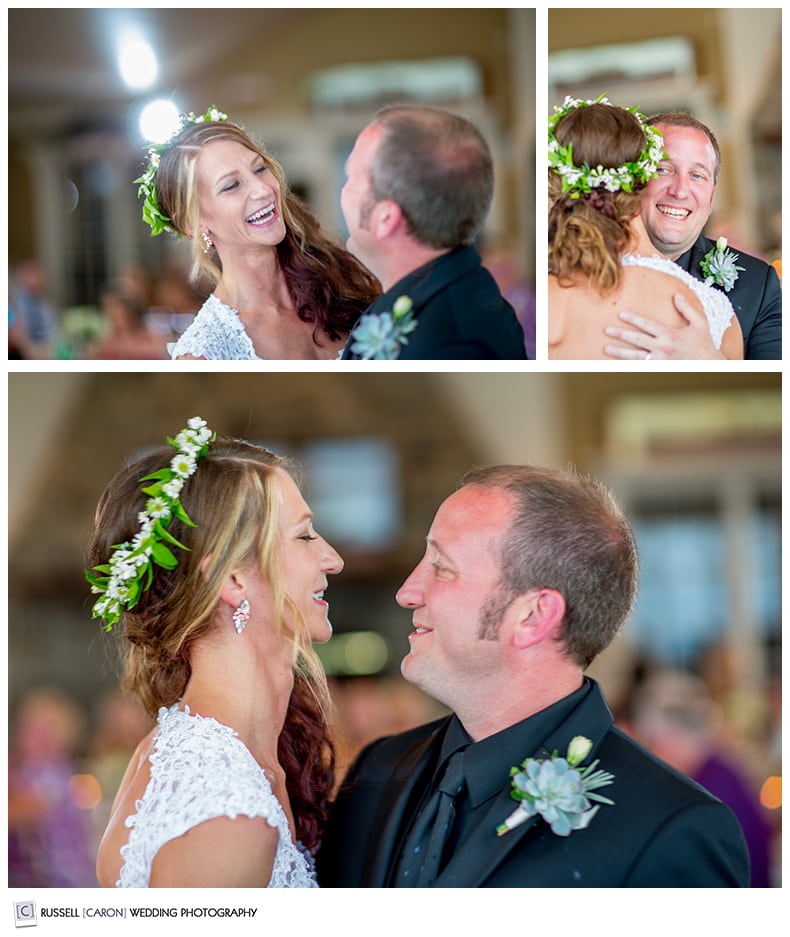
[(578, 750)]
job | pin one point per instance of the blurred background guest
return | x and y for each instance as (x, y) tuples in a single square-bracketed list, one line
[(34, 313), (49, 838), (676, 718), (125, 330)]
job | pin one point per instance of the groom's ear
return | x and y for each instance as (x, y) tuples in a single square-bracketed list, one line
[(537, 616), (387, 219)]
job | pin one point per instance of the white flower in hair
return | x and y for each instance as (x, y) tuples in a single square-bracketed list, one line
[(183, 464), (173, 488), (158, 508)]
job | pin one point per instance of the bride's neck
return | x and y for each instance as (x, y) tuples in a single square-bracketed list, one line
[(640, 242), (253, 281), (248, 691)]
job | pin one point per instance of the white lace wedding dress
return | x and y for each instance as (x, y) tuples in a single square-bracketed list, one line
[(718, 309), (200, 769), (216, 333)]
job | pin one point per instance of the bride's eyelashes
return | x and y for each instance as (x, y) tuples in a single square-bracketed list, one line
[(233, 185)]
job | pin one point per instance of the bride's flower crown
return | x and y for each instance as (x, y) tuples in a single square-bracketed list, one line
[(581, 180), (130, 570), (152, 214)]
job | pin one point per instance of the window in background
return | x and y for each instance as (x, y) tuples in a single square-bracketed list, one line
[(353, 488)]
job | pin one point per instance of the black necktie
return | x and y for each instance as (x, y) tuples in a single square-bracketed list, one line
[(421, 859)]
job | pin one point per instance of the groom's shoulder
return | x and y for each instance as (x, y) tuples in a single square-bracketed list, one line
[(389, 747), (404, 740), (665, 786)]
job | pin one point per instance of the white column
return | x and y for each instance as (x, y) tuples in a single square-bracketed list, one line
[(521, 27), (515, 418), (50, 214)]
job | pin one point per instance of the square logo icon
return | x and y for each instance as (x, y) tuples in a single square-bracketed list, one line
[(25, 914)]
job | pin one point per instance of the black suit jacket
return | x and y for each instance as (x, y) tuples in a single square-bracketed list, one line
[(756, 299), (664, 830), (459, 310)]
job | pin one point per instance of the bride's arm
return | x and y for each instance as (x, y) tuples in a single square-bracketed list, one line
[(732, 340), (218, 853)]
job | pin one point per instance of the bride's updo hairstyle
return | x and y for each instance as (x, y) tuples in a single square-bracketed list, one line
[(234, 498), (589, 234), (329, 286)]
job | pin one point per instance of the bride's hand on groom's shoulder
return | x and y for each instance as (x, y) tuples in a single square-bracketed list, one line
[(662, 342)]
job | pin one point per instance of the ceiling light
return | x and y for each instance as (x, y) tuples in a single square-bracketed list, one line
[(137, 63), (159, 120)]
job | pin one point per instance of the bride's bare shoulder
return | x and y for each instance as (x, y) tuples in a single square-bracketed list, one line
[(648, 289)]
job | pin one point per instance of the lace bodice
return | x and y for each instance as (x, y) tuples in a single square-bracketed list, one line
[(200, 769), (718, 309), (216, 333)]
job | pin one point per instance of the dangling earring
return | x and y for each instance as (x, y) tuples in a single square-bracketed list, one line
[(207, 242), (241, 616)]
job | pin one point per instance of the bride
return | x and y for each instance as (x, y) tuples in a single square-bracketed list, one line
[(601, 260), (215, 577), (283, 289)]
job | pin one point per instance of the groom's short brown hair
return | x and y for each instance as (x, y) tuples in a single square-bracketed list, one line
[(567, 533), (438, 167)]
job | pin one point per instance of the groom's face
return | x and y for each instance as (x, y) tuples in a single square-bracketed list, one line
[(678, 202), (356, 198), (455, 653)]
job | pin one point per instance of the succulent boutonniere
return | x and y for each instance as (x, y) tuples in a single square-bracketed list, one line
[(557, 790), (718, 266), (382, 335)]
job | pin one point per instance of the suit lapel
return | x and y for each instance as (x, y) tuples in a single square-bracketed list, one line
[(484, 851), (690, 260)]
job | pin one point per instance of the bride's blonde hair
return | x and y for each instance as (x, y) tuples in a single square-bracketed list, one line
[(589, 234), (234, 498)]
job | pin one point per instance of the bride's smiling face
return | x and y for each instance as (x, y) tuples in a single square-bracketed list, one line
[(239, 195), (307, 561)]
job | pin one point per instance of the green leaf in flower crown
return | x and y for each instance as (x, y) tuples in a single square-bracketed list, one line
[(134, 593), (99, 581), (163, 475), (163, 556), (166, 535), (181, 514)]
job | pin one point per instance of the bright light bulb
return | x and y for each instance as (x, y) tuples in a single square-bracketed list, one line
[(137, 63), (159, 120)]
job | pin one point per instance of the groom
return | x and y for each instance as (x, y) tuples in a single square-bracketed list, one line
[(529, 573), (418, 190), (675, 208)]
